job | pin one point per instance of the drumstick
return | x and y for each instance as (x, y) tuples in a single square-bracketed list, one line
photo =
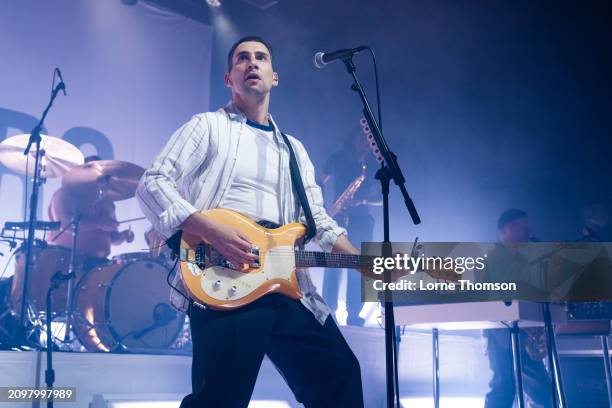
[(131, 219)]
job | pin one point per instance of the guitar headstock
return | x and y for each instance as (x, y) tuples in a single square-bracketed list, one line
[(436, 273), (443, 274)]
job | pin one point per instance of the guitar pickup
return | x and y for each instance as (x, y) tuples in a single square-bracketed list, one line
[(200, 256), (255, 251), (255, 264)]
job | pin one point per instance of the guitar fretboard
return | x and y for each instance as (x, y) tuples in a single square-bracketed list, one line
[(311, 259)]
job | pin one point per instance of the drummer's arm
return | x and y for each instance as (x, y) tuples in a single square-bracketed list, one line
[(119, 237), (62, 210), (101, 216)]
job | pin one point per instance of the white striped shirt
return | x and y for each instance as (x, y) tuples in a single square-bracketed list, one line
[(194, 172)]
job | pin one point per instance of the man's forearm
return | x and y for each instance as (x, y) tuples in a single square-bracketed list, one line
[(198, 224), (344, 246)]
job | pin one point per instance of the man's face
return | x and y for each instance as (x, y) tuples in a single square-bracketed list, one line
[(251, 71), (516, 231)]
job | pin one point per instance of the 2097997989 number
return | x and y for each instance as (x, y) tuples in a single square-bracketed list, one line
[(29, 394)]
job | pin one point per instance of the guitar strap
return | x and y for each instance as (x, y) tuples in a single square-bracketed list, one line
[(296, 179)]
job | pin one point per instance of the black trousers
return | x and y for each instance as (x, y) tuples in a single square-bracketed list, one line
[(229, 346)]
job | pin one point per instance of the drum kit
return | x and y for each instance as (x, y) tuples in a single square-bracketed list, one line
[(110, 305)]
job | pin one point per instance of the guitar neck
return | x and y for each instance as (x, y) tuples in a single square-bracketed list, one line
[(310, 259)]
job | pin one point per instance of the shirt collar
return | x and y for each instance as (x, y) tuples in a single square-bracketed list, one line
[(235, 113)]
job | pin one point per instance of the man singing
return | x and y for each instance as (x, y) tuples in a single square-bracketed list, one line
[(236, 158)]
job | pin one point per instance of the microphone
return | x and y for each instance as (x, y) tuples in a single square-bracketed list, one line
[(62, 85), (163, 315), (321, 59)]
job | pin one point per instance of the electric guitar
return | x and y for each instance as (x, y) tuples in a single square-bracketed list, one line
[(213, 281)]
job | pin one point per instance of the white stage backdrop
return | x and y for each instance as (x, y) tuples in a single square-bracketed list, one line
[(133, 75)]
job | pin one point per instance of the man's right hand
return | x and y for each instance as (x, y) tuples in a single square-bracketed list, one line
[(232, 243)]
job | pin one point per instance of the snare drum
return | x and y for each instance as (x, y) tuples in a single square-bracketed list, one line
[(129, 257), (46, 260), (124, 306)]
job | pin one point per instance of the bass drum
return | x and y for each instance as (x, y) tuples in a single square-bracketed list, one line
[(46, 261), (124, 306)]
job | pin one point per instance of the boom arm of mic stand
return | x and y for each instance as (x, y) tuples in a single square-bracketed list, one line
[(35, 134), (34, 139)]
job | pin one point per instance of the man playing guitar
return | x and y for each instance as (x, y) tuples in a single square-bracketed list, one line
[(237, 159)]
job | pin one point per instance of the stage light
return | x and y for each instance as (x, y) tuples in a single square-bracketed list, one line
[(214, 3), (225, 30)]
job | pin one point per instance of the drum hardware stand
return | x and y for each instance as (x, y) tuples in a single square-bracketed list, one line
[(553, 358), (558, 393), (74, 229), (607, 368), (35, 139), (435, 339), (390, 170)]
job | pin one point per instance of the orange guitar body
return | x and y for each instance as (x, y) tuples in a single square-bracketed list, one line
[(221, 287)]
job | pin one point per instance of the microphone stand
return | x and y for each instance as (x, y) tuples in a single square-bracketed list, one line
[(36, 183), (390, 170), (50, 372)]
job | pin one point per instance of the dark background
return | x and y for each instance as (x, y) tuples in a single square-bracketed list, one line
[(489, 104)]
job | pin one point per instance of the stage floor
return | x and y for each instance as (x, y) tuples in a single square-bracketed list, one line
[(464, 372)]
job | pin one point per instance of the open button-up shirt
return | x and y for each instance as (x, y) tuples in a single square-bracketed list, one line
[(194, 172)]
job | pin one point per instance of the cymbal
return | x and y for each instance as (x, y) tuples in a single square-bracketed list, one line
[(59, 155), (112, 179)]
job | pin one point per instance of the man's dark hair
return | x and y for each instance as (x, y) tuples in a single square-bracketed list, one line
[(248, 38), (510, 215)]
